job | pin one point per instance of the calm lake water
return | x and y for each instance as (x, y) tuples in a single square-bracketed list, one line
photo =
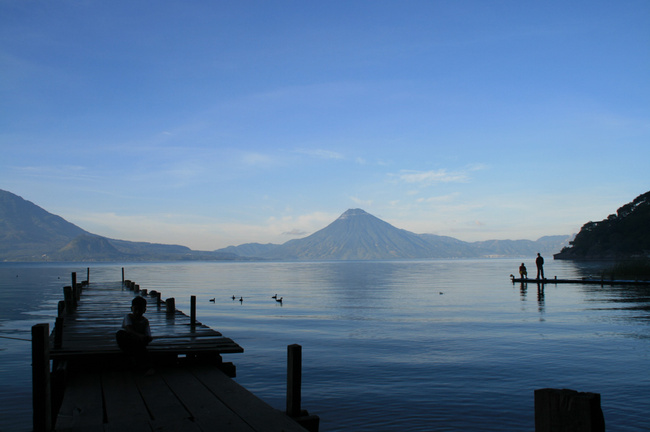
[(442, 345)]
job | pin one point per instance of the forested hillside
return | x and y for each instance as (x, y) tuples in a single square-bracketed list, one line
[(625, 234)]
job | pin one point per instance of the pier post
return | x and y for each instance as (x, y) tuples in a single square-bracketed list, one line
[(58, 332), (87, 274), (41, 387), (193, 311), (170, 306), (75, 289), (294, 379), (67, 296), (122, 275), (294, 391), (567, 410)]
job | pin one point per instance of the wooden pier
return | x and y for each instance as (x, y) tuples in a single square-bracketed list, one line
[(83, 382), (591, 281)]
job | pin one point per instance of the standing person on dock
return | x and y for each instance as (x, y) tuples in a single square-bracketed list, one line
[(135, 334), (523, 273), (540, 265)]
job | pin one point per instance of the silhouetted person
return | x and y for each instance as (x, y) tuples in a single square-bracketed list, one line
[(540, 266), (135, 334), (523, 273)]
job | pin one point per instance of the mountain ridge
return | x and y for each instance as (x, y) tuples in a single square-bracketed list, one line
[(358, 235), (30, 233)]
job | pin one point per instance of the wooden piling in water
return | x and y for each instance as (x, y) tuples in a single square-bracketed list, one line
[(294, 390), (567, 410), (294, 379), (41, 388)]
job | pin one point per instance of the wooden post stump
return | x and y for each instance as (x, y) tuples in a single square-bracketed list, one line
[(568, 411)]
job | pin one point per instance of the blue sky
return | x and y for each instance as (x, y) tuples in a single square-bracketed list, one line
[(211, 124)]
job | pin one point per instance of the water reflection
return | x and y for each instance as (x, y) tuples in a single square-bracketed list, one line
[(523, 292), (540, 300)]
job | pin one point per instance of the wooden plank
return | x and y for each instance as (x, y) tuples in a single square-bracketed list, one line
[(260, 415), (82, 405), (206, 409), (176, 425), (122, 399), (99, 315), (161, 402)]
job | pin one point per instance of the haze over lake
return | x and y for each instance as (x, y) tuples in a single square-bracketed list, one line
[(387, 345)]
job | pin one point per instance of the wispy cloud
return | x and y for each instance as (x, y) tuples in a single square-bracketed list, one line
[(438, 199), (320, 153), (70, 172), (258, 159), (431, 177), (426, 178)]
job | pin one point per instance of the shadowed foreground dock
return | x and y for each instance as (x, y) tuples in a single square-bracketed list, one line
[(174, 398), (92, 386)]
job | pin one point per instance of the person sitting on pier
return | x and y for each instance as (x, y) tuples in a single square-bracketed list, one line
[(135, 334), (523, 273)]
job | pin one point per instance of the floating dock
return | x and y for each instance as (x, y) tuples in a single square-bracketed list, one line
[(592, 281), (83, 382)]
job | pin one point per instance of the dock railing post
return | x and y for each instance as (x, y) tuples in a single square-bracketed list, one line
[(193, 311), (41, 387), (294, 379)]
